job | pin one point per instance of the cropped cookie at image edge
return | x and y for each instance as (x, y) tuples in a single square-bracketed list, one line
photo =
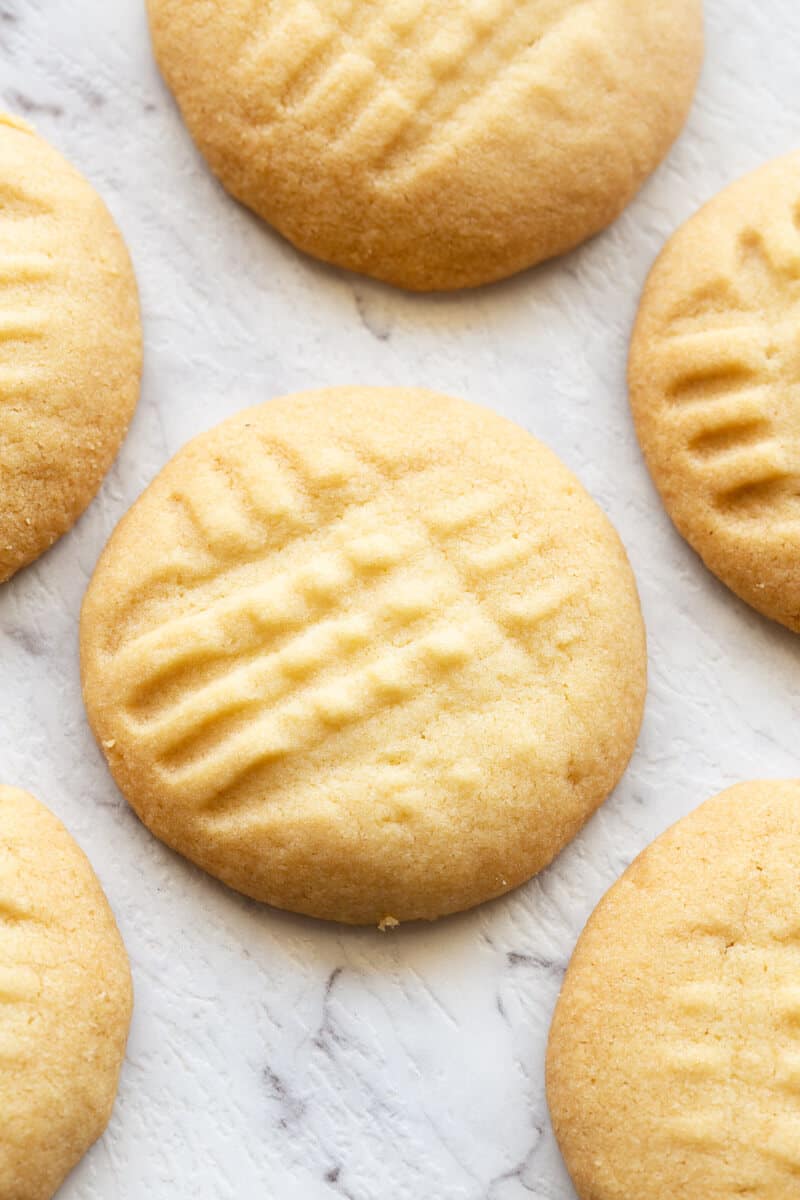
[(429, 144), (70, 344), (65, 1001), (673, 1065), (368, 654), (715, 385)]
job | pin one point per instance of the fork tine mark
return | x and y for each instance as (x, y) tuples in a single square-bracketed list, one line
[(762, 478), (22, 269), (783, 1143), (12, 912), (503, 37), (308, 718), (231, 626), (769, 260), (707, 1130), (729, 436), (19, 984), (16, 203), (28, 326)]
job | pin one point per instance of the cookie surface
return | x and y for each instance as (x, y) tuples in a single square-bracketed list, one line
[(431, 144), (715, 386), (365, 653), (70, 344), (65, 1001), (673, 1066)]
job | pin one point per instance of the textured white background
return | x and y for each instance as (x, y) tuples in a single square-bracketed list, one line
[(271, 1056)]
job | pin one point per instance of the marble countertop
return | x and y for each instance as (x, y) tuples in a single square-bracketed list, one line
[(270, 1055)]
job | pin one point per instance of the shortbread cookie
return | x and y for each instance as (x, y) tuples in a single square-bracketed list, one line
[(65, 1001), (673, 1068), (715, 386), (431, 144), (365, 654), (70, 344)]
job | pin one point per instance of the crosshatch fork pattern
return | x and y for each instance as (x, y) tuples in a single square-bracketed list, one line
[(343, 68), (259, 673)]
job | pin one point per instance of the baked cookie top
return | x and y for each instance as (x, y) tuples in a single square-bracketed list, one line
[(715, 385), (431, 144), (70, 344), (65, 1001), (365, 653), (673, 1067)]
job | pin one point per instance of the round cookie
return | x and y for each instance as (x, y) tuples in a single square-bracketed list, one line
[(65, 1001), (430, 144), (365, 653), (715, 386), (673, 1067), (70, 344)]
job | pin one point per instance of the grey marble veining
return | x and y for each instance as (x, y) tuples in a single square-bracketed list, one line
[(271, 1056)]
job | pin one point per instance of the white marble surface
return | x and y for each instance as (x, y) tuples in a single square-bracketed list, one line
[(271, 1056)]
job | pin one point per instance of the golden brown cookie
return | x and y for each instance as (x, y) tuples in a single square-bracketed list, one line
[(65, 1001), (673, 1067), (715, 385), (70, 344), (431, 144), (365, 653)]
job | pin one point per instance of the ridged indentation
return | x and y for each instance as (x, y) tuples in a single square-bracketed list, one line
[(19, 984), (787, 1075), (10, 1050), (500, 36), (23, 269), (769, 262), (266, 675), (729, 1069), (17, 203), (455, 72), (703, 998), (373, 605), (702, 1130), (737, 409), (12, 911), (710, 380), (526, 612), (698, 1061), (729, 362), (294, 49), (397, 78), (787, 1005), (26, 326), (766, 484), (742, 466), (308, 714), (729, 436), (263, 502), (714, 305), (783, 1144), (465, 512), (502, 556)]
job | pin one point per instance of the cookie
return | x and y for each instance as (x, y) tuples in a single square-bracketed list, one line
[(365, 653), (673, 1066), (430, 144), (715, 386), (65, 1001), (70, 344)]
